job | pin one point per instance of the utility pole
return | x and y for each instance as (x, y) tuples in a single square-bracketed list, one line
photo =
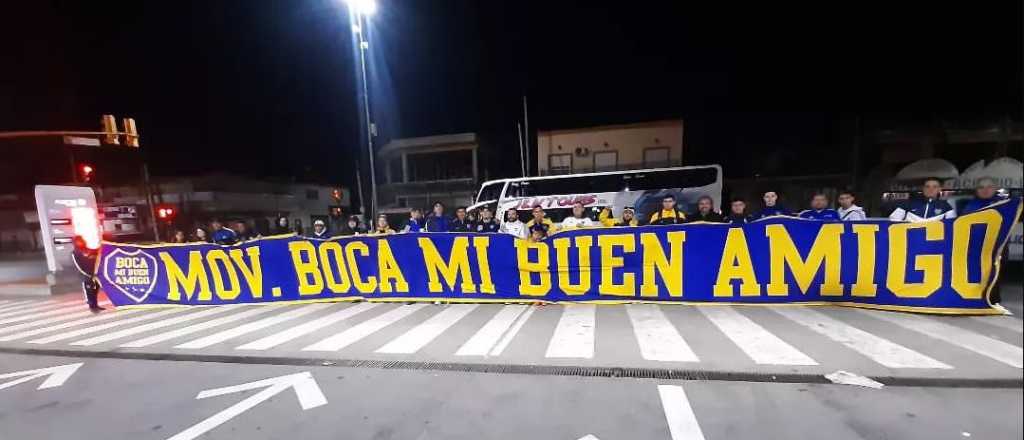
[(526, 132)]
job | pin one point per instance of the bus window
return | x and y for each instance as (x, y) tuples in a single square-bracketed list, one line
[(491, 191)]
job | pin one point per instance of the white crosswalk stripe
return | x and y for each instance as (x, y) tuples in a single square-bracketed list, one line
[(42, 322), (88, 320), (356, 333), (30, 306), (422, 334), (494, 331), (98, 328), (880, 350), (993, 348), (64, 309), (682, 422), (195, 328), (153, 326), (307, 327), (574, 335), (657, 337), (14, 305), (1011, 323), (761, 345), (253, 326)]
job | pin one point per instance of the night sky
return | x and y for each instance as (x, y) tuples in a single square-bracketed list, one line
[(269, 87)]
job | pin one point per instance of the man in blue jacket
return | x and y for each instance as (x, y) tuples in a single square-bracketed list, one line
[(437, 222), (985, 194), (772, 207), (926, 207), (820, 210)]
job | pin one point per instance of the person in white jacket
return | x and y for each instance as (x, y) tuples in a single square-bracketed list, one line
[(848, 210), (512, 225), (578, 220)]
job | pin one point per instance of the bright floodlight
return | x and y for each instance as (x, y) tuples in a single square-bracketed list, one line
[(365, 7)]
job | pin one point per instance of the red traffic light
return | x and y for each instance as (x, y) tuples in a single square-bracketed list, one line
[(86, 172), (166, 212)]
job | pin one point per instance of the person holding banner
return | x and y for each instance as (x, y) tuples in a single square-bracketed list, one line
[(319, 230), (512, 225), (668, 215), (628, 217), (382, 227), (848, 211), (222, 234), (820, 210), (437, 222), (578, 218), (541, 222), (415, 222), (985, 194), (705, 212), (460, 223), (771, 208), (486, 223), (738, 212), (926, 207), (85, 262)]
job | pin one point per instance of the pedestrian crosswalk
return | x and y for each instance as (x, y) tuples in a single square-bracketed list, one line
[(645, 334)]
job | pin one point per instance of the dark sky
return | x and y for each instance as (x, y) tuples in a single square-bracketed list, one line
[(269, 87)]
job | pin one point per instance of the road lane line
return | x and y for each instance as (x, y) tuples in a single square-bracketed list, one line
[(421, 335), (682, 422), (491, 333), (512, 332), (363, 329), (992, 348), (43, 314), (15, 305), (30, 305), (759, 344), (658, 339), (250, 327), (88, 320), (154, 325), (574, 335), (306, 328), (1008, 322), (880, 350), (250, 311), (101, 327)]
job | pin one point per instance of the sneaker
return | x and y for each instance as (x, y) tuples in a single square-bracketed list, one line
[(96, 309)]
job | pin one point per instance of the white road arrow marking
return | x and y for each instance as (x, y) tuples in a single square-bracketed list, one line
[(589, 437), (57, 376), (306, 389)]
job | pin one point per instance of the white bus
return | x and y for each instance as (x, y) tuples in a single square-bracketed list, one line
[(642, 190)]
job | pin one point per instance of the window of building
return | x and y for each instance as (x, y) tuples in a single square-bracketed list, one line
[(656, 157), (395, 170), (559, 163), (442, 165), (312, 194), (606, 160)]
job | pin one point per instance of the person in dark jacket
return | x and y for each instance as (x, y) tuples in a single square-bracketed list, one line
[(437, 222), (460, 223), (199, 236), (705, 212), (487, 223), (820, 210), (771, 208), (320, 230), (222, 234), (985, 194), (738, 212), (926, 207), (352, 227), (281, 226), (669, 214), (84, 258), (243, 232)]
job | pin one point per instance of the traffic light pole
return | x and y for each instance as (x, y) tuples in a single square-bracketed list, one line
[(149, 200)]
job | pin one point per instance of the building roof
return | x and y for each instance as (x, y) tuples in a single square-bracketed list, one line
[(658, 123), (428, 141)]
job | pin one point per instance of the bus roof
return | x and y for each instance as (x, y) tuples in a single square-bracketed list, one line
[(601, 173)]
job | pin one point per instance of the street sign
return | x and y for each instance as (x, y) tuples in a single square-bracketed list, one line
[(55, 376), (306, 389), (64, 212)]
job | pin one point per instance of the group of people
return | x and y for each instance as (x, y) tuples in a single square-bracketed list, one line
[(928, 206)]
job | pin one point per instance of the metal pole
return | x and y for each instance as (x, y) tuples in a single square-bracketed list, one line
[(363, 47), (522, 157), (149, 201)]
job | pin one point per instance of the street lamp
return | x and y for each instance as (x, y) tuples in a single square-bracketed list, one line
[(358, 11)]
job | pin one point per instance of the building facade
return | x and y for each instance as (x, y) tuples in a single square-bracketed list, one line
[(654, 144), (420, 171)]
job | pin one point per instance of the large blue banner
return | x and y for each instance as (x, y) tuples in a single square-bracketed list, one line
[(938, 266)]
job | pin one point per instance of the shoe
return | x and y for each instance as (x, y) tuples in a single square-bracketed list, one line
[(96, 309)]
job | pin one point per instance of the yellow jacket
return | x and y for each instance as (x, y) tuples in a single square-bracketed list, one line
[(667, 217), (606, 219), (550, 229)]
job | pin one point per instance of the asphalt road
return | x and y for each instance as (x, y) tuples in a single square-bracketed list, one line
[(133, 399)]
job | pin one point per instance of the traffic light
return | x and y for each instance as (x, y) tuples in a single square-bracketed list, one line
[(336, 195), (86, 172), (166, 213), (110, 136), (131, 134)]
